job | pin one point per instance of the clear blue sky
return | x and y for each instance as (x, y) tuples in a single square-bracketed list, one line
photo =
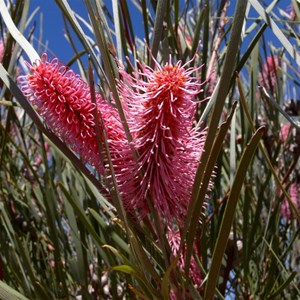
[(53, 25)]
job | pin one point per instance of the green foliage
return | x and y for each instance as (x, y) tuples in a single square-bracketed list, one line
[(63, 235)]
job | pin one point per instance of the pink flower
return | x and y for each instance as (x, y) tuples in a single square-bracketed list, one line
[(64, 101), (52, 263), (1, 50), (285, 131), (291, 11), (295, 197), (160, 108), (268, 77), (174, 238)]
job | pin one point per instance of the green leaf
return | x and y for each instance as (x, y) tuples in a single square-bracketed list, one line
[(276, 30), (283, 286), (123, 259), (229, 214), (278, 107), (135, 273), (166, 278), (218, 98), (217, 146), (116, 14), (113, 235), (266, 156), (127, 269), (161, 9), (8, 293), (20, 39), (84, 219), (283, 268)]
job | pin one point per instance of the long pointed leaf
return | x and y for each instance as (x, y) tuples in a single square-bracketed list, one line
[(229, 214), (8, 293)]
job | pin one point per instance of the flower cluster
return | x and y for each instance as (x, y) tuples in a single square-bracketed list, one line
[(64, 101), (157, 170), (159, 105)]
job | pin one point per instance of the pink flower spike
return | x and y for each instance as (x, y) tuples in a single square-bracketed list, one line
[(285, 209), (63, 100), (160, 106), (269, 75), (1, 50), (174, 238), (285, 131)]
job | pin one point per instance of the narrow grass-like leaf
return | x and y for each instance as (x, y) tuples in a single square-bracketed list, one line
[(24, 254), (8, 293), (266, 156), (220, 93), (128, 26), (276, 30), (16, 49), (202, 15), (145, 21), (217, 146), (278, 107), (166, 279), (81, 265), (7, 103), (109, 67), (229, 214), (160, 13), (281, 288), (117, 27), (80, 213), (135, 273), (78, 55), (49, 194), (232, 149), (113, 235), (20, 39), (145, 262), (138, 293), (127, 269), (114, 186), (290, 277), (250, 48), (68, 12), (122, 258)]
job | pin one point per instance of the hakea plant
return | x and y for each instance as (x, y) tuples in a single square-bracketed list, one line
[(269, 75), (160, 106), (174, 238), (64, 101), (285, 210)]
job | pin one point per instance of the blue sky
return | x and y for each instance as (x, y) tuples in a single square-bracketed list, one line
[(53, 25)]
